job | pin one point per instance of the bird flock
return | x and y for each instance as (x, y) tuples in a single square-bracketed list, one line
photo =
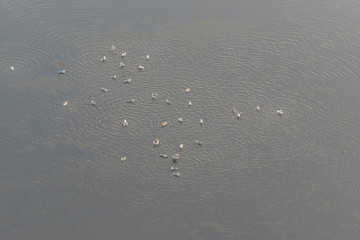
[(176, 156)]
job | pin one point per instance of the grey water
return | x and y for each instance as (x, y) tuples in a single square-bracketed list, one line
[(260, 176)]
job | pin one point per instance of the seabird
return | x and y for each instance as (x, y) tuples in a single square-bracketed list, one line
[(93, 103), (234, 110), (104, 89), (128, 81), (189, 103), (257, 108), (140, 67), (154, 95), (121, 65), (180, 120), (163, 155), (280, 112), (147, 57), (168, 102), (238, 114), (173, 168), (164, 124), (114, 77), (132, 100), (176, 174), (112, 48), (65, 103), (201, 121), (124, 123), (103, 59), (156, 142), (187, 90), (181, 146), (198, 142), (61, 72), (123, 54), (175, 157), (123, 159), (12, 68)]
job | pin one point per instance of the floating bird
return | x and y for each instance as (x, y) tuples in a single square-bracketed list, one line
[(234, 110), (173, 168), (175, 157), (12, 68), (147, 57), (132, 100), (257, 108), (113, 76), (180, 120), (154, 95), (124, 123), (156, 142), (65, 103), (93, 103), (280, 112), (176, 174), (123, 159), (121, 65), (103, 59), (141, 67), (104, 89), (181, 146), (201, 121), (128, 81), (189, 103), (238, 114), (163, 155), (61, 72), (187, 90), (168, 102), (123, 54), (198, 142), (112, 48), (164, 124)]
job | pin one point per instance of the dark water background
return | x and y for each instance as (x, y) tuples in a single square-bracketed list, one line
[(263, 176)]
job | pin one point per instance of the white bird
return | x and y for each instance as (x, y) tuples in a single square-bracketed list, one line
[(164, 124), (65, 103), (163, 155), (168, 102), (123, 159), (112, 48), (156, 142), (238, 114), (234, 110), (201, 121), (189, 103), (121, 65), (180, 120), (123, 54), (257, 108), (104, 89), (12, 68), (176, 174), (280, 112), (187, 90), (93, 103), (141, 67), (181, 146), (128, 81), (147, 57), (173, 168), (124, 123), (113, 76), (198, 142), (61, 72), (154, 95), (175, 157), (132, 100), (103, 59)]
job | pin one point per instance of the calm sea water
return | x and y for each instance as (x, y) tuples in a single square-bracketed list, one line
[(262, 176)]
